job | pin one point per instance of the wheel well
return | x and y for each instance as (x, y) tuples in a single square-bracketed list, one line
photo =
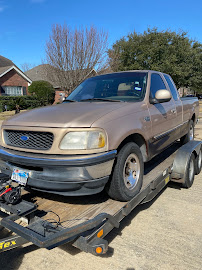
[(140, 141)]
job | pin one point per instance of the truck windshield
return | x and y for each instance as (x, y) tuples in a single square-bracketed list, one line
[(125, 86)]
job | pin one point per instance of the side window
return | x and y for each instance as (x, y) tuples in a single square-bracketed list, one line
[(156, 84), (172, 87)]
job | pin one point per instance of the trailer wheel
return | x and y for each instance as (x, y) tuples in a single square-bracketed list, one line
[(190, 135), (190, 172), (198, 162), (127, 175)]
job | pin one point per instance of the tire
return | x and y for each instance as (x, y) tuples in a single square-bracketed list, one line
[(127, 176), (190, 135), (198, 162), (190, 172)]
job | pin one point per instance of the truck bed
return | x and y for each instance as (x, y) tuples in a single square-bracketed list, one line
[(75, 210)]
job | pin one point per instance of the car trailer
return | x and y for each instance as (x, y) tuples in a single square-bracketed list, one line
[(48, 220)]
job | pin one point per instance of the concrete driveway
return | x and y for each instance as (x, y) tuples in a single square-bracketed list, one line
[(165, 234)]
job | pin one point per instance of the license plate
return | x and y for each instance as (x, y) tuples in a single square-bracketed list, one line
[(19, 176)]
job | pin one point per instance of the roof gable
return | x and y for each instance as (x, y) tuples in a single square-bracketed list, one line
[(5, 70)]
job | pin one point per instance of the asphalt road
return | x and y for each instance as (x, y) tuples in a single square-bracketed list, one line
[(163, 234)]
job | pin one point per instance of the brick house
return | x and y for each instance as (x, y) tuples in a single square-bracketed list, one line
[(41, 73), (13, 82)]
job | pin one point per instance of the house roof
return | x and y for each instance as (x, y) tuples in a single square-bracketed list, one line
[(7, 65), (40, 73), (5, 62)]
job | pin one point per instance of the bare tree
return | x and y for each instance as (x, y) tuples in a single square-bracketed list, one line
[(27, 66), (71, 54)]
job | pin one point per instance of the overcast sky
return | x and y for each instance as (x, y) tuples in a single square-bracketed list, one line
[(25, 25)]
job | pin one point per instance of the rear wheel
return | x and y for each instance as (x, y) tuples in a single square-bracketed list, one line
[(190, 135), (198, 162), (190, 172), (128, 172)]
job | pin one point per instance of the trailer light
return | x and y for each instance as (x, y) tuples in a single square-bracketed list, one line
[(100, 233), (98, 250)]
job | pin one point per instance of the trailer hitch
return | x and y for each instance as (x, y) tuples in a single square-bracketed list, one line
[(60, 236)]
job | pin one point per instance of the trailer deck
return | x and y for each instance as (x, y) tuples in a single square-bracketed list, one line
[(84, 220), (75, 210)]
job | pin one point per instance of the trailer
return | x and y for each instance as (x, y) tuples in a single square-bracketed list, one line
[(48, 220)]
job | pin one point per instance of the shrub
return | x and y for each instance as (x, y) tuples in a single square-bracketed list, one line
[(25, 102), (43, 91)]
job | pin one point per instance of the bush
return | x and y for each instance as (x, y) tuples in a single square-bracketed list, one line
[(43, 91), (25, 102)]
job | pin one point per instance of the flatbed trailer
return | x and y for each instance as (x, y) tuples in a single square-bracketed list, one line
[(48, 220)]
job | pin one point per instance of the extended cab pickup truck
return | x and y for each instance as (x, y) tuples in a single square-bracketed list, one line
[(101, 136)]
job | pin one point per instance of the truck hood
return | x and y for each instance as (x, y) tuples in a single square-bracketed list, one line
[(81, 114)]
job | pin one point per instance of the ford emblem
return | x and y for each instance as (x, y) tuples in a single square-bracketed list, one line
[(24, 138)]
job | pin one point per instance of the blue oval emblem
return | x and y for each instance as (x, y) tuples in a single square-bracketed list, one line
[(24, 138)]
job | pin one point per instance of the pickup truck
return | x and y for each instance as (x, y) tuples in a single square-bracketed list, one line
[(100, 137)]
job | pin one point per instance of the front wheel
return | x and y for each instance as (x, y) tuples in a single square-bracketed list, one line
[(128, 173)]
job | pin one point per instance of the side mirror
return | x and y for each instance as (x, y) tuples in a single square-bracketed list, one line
[(163, 95)]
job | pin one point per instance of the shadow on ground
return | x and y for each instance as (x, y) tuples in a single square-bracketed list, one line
[(11, 260)]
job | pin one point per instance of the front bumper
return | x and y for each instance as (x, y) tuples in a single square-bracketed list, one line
[(65, 175)]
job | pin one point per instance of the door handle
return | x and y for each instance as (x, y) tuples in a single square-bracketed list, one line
[(173, 111)]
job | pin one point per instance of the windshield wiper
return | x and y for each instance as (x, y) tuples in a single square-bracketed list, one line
[(101, 99), (70, 100)]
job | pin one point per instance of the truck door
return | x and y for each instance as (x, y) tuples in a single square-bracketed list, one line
[(178, 105), (163, 118)]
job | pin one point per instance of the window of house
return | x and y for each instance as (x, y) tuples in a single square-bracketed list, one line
[(156, 84), (12, 90)]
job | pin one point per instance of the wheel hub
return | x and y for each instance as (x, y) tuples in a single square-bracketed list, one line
[(131, 171)]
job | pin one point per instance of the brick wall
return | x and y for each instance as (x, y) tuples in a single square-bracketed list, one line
[(12, 78), (58, 96)]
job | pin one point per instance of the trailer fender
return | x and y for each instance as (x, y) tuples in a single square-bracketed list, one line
[(182, 160)]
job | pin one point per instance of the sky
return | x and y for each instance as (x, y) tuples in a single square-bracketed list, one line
[(25, 25)]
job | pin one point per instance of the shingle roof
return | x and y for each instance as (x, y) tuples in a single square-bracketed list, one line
[(45, 72), (3, 69), (5, 62), (39, 73)]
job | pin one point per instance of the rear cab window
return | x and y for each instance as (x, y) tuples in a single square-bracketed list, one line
[(172, 87), (156, 84)]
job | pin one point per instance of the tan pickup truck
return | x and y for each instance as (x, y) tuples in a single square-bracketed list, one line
[(99, 137)]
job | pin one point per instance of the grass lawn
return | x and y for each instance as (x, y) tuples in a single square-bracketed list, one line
[(6, 115)]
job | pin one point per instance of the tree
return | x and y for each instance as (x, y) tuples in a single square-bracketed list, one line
[(44, 92), (71, 54), (27, 66), (165, 51)]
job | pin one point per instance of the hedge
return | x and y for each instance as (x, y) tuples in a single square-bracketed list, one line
[(25, 102)]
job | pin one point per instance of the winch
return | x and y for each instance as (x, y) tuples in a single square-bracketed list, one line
[(8, 193)]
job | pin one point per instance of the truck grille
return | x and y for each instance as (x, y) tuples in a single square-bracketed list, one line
[(29, 139)]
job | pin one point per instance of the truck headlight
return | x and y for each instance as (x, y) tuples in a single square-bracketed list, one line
[(78, 140)]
